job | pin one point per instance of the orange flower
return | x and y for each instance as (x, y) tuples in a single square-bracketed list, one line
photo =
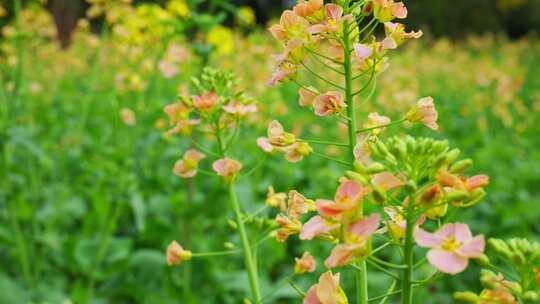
[(227, 167), (305, 264), (176, 254), (424, 112)]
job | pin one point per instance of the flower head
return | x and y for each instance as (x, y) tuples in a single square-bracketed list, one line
[(327, 291), (176, 254), (387, 10), (227, 167), (128, 117), (377, 122), (305, 264), (187, 166), (205, 102), (290, 26), (424, 112), (276, 200), (313, 9), (451, 246), (329, 103), (307, 96), (288, 226), (347, 198), (297, 151), (298, 205), (238, 108), (333, 21), (396, 35), (316, 226)]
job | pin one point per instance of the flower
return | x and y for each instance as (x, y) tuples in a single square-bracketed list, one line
[(236, 107), (451, 246), (333, 22), (205, 102), (222, 38), (329, 103), (347, 198), (424, 112), (396, 35), (286, 70), (307, 96), (377, 122), (362, 52), (290, 26), (176, 254), (183, 127), (357, 242), (316, 226), (277, 139), (187, 166), (386, 10), (276, 200), (227, 167), (298, 205), (327, 291), (176, 112), (167, 68), (128, 117), (386, 181), (305, 264), (309, 8), (397, 224), (288, 227), (297, 151)]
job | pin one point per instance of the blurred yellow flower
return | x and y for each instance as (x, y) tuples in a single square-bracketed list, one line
[(178, 8), (221, 38), (245, 16), (3, 11)]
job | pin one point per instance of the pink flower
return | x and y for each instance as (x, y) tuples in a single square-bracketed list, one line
[(183, 126), (176, 254), (227, 167), (386, 181), (276, 200), (298, 205), (347, 198), (477, 181), (357, 243), (168, 69), (307, 96), (376, 121), (424, 112), (277, 138), (333, 22), (128, 117), (286, 70), (290, 26), (308, 8), (176, 112), (398, 224), (451, 247), (187, 166), (387, 10), (316, 226), (205, 102), (305, 264), (236, 107), (297, 151), (288, 227), (396, 35), (329, 103), (327, 291)]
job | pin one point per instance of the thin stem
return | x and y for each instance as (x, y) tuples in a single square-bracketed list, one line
[(246, 247), (339, 161), (387, 264), (327, 66), (296, 288), (321, 78), (324, 56), (407, 283), (324, 142), (383, 270), (215, 253), (361, 275), (388, 293), (381, 126)]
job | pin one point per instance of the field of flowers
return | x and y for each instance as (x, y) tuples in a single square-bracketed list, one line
[(173, 154)]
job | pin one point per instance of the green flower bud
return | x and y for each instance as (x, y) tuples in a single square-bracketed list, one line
[(375, 150), (439, 146), (483, 260), (461, 166), (359, 167), (375, 168), (476, 197), (357, 177), (391, 159), (466, 296), (531, 296), (488, 279), (229, 245), (519, 259), (232, 224), (457, 196), (500, 247), (411, 143), (401, 149), (382, 147), (452, 156)]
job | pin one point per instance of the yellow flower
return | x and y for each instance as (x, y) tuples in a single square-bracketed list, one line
[(221, 38), (2, 11), (178, 8), (245, 16)]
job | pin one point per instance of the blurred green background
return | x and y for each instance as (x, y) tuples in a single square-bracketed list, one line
[(87, 199)]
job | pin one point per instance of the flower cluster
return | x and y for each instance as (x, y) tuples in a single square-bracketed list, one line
[(285, 142)]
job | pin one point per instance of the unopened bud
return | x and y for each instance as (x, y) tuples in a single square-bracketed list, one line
[(375, 150), (518, 259), (500, 247), (461, 166), (357, 177), (382, 147), (232, 224), (229, 245), (466, 296), (483, 260), (375, 168), (452, 156), (457, 196), (531, 296), (476, 197)]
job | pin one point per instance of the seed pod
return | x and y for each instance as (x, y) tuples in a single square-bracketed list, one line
[(375, 168), (461, 166), (466, 296)]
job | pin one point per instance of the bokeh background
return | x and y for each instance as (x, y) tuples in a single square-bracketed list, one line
[(87, 199)]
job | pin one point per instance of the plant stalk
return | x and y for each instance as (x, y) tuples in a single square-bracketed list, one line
[(407, 282)]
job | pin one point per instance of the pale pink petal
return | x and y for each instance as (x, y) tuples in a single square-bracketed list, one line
[(362, 51), (386, 180), (473, 248), (328, 287), (264, 144), (462, 232), (334, 11), (314, 227), (367, 226), (341, 255), (427, 239), (311, 296), (447, 262)]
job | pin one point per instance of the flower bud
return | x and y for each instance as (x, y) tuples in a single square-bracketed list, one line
[(457, 195), (466, 296), (483, 260), (452, 156), (357, 177), (375, 150), (461, 166), (519, 259), (232, 224), (375, 168), (229, 245), (500, 247), (382, 147), (359, 167), (531, 296), (476, 197), (439, 146), (489, 279)]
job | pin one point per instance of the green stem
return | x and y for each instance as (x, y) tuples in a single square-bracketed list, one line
[(248, 257), (18, 72), (407, 282), (215, 253), (324, 142), (381, 126), (361, 274)]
